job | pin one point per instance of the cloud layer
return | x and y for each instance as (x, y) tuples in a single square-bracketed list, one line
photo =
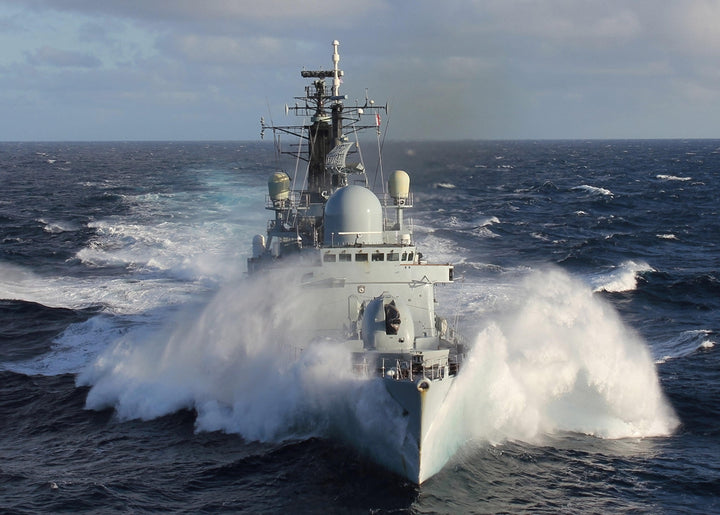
[(80, 69)]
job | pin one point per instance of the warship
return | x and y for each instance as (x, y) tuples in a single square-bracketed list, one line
[(352, 252)]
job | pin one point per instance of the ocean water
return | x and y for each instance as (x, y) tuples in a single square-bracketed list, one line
[(141, 372)]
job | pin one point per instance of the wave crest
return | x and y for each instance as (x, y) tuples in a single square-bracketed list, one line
[(620, 279), (595, 190), (560, 360)]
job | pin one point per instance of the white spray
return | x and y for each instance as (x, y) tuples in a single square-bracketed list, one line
[(244, 365), (560, 359)]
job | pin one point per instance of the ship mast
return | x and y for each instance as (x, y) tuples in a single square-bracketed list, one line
[(324, 106), (325, 131)]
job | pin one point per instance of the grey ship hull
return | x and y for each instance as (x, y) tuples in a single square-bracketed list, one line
[(419, 459)]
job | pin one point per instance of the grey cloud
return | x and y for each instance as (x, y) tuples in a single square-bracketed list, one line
[(456, 69), (304, 13), (49, 56), (224, 50)]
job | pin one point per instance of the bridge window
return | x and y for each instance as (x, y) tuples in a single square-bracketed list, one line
[(393, 256), (345, 257), (378, 256), (329, 258), (361, 256)]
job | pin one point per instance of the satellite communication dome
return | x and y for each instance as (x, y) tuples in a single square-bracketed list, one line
[(279, 186), (399, 184), (353, 214)]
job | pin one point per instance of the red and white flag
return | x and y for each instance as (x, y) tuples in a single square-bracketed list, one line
[(377, 119)]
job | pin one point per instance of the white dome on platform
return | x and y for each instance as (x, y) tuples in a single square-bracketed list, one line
[(353, 214)]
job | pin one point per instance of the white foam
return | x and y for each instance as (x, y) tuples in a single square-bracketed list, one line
[(119, 295), (56, 227), (207, 360), (240, 363), (672, 178), (483, 222), (684, 344), (550, 357), (595, 190), (621, 278), (81, 344), (559, 360), (171, 247), (556, 359), (669, 236), (179, 235)]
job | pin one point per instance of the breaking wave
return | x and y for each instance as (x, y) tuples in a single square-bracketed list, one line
[(684, 344), (594, 190), (621, 278), (560, 360), (664, 177), (555, 358), (244, 365)]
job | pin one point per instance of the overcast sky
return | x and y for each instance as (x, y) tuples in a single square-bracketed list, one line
[(450, 69)]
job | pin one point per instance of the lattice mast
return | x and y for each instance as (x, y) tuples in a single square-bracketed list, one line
[(324, 106)]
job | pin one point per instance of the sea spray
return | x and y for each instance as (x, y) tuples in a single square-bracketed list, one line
[(230, 358), (559, 359), (245, 365), (621, 278)]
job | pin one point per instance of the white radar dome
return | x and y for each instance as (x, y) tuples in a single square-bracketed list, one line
[(279, 186), (399, 184), (353, 214)]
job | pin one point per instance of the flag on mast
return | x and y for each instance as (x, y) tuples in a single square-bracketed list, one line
[(377, 119)]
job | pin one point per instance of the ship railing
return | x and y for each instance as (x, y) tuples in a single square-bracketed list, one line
[(387, 201), (344, 234), (454, 364), (397, 369), (433, 369), (361, 368), (455, 337), (392, 226), (296, 200)]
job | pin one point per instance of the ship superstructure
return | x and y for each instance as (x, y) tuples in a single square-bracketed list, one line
[(366, 284)]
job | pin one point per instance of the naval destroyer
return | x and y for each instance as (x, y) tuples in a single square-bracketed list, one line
[(354, 257)]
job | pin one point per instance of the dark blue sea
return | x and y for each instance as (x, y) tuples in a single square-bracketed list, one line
[(135, 376)]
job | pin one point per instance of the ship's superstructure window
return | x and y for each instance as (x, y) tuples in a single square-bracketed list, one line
[(407, 256), (329, 257)]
